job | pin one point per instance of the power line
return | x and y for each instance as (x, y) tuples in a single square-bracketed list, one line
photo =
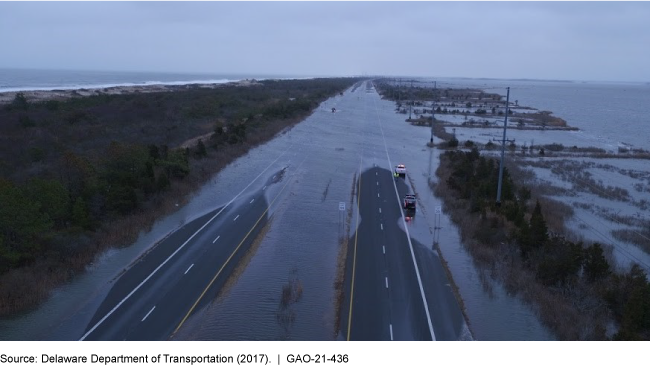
[(614, 244), (604, 192)]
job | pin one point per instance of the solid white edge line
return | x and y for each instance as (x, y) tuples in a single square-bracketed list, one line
[(236, 218), (408, 235), (178, 249), (215, 240), (188, 269), (148, 313)]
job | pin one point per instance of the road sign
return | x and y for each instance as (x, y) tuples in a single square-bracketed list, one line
[(438, 209), (341, 206)]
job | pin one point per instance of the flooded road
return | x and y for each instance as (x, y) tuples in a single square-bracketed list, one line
[(297, 251), (302, 242)]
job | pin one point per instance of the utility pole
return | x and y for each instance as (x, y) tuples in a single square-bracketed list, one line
[(503, 148), (433, 119), (433, 108), (411, 97), (399, 89)]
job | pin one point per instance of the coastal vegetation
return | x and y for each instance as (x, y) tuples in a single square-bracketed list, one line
[(572, 284), (479, 109), (83, 174)]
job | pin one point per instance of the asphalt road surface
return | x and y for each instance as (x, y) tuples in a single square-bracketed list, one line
[(386, 293), (153, 297), (396, 287)]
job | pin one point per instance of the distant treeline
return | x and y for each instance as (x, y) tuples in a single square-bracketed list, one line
[(69, 167), (572, 285)]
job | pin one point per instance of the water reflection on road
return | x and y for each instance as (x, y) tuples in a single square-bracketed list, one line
[(299, 247)]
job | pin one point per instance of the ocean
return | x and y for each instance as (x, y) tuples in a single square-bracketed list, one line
[(24, 79), (608, 114)]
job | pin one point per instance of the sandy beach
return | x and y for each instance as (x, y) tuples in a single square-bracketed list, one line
[(57, 94)]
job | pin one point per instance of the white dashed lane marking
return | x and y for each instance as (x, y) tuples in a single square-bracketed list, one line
[(236, 218), (188, 269), (215, 240), (145, 317)]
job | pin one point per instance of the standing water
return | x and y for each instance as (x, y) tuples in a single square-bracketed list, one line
[(323, 156)]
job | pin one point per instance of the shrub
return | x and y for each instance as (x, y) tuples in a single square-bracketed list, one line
[(25, 121)]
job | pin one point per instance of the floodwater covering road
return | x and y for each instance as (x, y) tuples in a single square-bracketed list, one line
[(280, 286)]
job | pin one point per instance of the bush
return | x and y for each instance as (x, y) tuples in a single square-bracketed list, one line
[(36, 154), (52, 105), (200, 150), (20, 102), (554, 147), (25, 121)]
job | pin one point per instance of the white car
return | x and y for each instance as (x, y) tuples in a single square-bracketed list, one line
[(400, 170)]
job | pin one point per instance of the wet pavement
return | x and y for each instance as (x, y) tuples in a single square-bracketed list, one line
[(296, 251)]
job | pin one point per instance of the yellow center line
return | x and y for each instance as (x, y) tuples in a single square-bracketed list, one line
[(354, 258), (227, 261)]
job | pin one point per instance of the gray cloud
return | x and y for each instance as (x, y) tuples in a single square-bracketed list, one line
[(557, 40)]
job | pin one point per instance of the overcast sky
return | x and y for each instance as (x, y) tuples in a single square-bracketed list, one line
[(549, 40)]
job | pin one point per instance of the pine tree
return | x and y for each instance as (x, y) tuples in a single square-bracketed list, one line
[(163, 182), (596, 265), (80, 216), (20, 101), (52, 197), (538, 229), (201, 151)]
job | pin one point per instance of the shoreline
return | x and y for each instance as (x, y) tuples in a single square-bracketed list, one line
[(63, 93)]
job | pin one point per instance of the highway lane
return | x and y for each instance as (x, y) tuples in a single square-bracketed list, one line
[(387, 301), (387, 304), (396, 287), (153, 297)]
